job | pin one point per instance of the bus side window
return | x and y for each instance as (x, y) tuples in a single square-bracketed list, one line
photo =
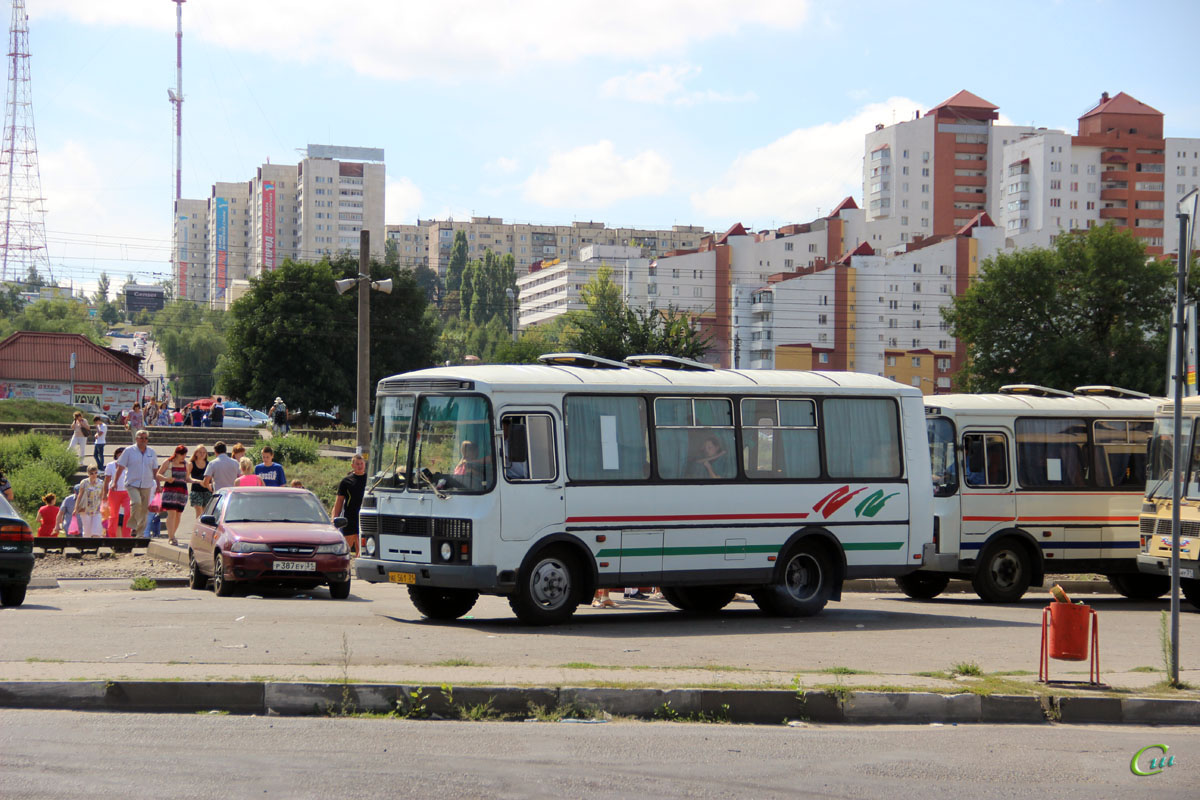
[(528, 447), (985, 457)]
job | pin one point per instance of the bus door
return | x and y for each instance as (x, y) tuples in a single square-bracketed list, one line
[(988, 502), (531, 474)]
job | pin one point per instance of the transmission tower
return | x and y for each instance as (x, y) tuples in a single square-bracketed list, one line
[(23, 238)]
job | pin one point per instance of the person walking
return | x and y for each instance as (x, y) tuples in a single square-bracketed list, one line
[(177, 417), (247, 478), (88, 500), (269, 470), (79, 433), (47, 515), (134, 420), (117, 498), (199, 496), (349, 499), (222, 472), (99, 440), (67, 522), (141, 464), (279, 416), (216, 414), (175, 477)]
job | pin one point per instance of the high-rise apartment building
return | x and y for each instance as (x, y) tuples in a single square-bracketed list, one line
[(191, 250)]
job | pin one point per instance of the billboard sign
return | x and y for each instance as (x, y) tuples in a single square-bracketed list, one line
[(222, 237), (268, 224)]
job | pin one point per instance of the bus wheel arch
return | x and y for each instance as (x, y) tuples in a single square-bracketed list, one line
[(807, 576), (1009, 562), (556, 575)]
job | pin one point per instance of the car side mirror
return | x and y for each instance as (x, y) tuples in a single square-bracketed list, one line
[(340, 523), (208, 519)]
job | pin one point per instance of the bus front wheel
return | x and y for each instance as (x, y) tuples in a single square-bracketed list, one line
[(438, 603), (548, 588), (923, 585), (698, 599), (804, 585), (1137, 586), (1003, 573)]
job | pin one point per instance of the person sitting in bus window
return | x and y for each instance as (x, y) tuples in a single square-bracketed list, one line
[(976, 464), (702, 467), (470, 468)]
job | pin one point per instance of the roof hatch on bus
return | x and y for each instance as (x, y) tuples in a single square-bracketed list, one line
[(1109, 391), (1033, 390), (668, 362), (580, 360)]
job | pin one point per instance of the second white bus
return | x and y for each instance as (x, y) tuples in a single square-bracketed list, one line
[(1031, 481)]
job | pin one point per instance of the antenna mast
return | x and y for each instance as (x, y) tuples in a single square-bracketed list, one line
[(176, 97), (23, 239)]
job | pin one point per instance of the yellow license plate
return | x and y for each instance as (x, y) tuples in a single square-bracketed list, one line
[(402, 577)]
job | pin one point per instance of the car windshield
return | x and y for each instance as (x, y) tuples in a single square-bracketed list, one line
[(6, 510), (275, 507)]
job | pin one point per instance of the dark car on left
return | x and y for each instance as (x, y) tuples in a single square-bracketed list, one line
[(16, 555)]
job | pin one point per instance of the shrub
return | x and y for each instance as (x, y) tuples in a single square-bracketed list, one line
[(321, 477), (29, 448), (288, 449), (36, 411), (31, 482)]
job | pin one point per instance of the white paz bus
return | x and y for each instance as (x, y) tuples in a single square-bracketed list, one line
[(1031, 481), (544, 482)]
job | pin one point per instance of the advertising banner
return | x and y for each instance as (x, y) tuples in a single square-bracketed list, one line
[(90, 393), (222, 237), (268, 224), (34, 390)]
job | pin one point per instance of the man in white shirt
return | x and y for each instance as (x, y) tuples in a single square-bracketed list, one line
[(222, 471), (139, 466), (98, 444)]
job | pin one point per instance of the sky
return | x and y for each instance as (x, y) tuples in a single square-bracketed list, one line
[(637, 114)]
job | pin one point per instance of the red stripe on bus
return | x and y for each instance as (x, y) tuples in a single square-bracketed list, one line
[(677, 517), (1051, 519)]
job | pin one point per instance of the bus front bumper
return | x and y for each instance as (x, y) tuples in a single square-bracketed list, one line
[(1189, 569), (445, 576)]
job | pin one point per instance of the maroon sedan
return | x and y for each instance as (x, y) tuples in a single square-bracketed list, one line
[(255, 534)]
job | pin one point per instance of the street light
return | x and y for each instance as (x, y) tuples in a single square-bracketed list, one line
[(1187, 229), (365, 284), (512, 303)]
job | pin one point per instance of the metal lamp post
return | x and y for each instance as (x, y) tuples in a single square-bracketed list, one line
[(512, 304), (365, 285), (1186, 216)]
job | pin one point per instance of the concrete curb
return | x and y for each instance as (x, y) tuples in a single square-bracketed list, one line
[(712, 705)]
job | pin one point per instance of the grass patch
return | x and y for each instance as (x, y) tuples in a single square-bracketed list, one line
[(1014, 672), (143, 584), (457, 662), (562, 711), (44, 661), (968, 668), (1144, 669), (842, 671), (946, 676), (321, 477), (36, 411)]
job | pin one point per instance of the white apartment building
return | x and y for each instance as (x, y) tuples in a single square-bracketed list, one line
[(190, 242), (555, 288), (228, 255)]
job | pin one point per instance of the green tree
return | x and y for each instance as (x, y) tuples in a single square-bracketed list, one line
[(55, 316), (102, 286), (33, 278), (292, 336), (192, 339), (458, 262), (1091, 310)]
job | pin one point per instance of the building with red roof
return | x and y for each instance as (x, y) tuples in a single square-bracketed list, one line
[(68, 368)]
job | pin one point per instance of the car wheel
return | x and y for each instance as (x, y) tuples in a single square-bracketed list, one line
[(923, 585), (12, 594), (221, 586), (804, 585), (1003, 572), (698, 599), (436, 603), (196, 578), (547, 588), (339, 590), (1137, 586)]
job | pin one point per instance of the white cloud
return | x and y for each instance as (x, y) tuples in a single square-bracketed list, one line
[(664, 85), (502, 166), (447, 39), (403, 201), (596, 175), (793, 176)]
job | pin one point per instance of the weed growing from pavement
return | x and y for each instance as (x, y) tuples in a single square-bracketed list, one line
[(968, 668), (561, 711), (842, 671), (44, 661), (946, 676), (347, 706), (1144, 669), (415, 705), (457, 662), (143, 584)]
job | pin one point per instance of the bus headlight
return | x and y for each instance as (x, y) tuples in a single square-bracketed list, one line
[(447, 551), (369, 546)]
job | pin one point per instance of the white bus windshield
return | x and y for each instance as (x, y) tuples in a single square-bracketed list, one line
[(454, 443), (1158, 471), (389, 448)]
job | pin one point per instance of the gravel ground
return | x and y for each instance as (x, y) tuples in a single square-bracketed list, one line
[(121, 565)]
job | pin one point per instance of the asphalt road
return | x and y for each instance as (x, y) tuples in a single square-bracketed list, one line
[(71, 755), (104, 630)]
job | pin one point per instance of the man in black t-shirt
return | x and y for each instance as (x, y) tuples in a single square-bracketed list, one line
[(216, 415), (349, 499)]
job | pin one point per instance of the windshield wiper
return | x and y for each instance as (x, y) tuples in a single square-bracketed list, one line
[(1152, 493), (427, 476)]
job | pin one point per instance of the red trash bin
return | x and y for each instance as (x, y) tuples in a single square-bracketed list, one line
[(1068, 635)]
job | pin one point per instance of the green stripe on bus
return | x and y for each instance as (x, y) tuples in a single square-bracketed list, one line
[(635, 552)]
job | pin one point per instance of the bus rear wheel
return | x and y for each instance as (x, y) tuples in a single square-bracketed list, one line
[(923, 585), (1003, 573), (1137, 586), (698, 599), (438, 603), (804, 585), (548, 588)]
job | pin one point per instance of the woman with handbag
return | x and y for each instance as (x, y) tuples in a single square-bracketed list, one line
[(175, 477), (79, 433)]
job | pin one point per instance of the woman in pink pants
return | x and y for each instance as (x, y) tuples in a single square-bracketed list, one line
[(118, 498)]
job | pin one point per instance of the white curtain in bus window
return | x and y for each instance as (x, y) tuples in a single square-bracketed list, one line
[(779, 439), (607, 438), (862, 438), (694, 438), (1119, 457), (1052, 452)]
